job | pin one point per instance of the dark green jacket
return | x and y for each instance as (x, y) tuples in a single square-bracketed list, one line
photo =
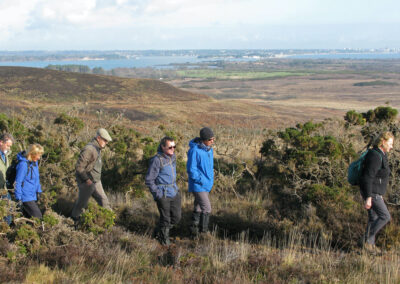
[(3, 170)]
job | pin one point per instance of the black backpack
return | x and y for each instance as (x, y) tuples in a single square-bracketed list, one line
[(11, 173)]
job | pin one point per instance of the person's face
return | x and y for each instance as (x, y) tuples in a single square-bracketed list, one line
[(5, 146), (102, 142), (209, 142), (169, 148), (387, 145), (36, 157)]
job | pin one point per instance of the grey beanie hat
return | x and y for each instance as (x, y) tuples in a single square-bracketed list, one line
[(206, 133), (104, 134)]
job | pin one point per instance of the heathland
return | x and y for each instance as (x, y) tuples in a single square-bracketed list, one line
[(282, 208)]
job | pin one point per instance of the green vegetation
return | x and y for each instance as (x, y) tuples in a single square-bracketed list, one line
[(97, 219), (374, 83), (235, 75), (276, 218)]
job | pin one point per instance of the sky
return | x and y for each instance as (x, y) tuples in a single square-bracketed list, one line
[(199, 24)]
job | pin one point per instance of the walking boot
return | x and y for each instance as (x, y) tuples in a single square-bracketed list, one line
[(204, 219), (194, 226)]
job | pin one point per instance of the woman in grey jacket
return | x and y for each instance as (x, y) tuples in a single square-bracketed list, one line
[(161, 180)]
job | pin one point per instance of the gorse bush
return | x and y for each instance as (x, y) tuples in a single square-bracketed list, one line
[(97, 219), (381, 115), (303, 171), (354, 118)]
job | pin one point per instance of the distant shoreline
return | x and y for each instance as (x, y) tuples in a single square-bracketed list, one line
[(168, 61)]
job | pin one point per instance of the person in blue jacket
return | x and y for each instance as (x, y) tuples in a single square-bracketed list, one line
[(161, 180), (27, 181), (200, 169)]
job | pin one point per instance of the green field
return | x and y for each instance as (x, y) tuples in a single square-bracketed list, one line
[(236, 75)]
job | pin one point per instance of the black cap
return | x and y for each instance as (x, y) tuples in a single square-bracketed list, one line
[(206, 133)]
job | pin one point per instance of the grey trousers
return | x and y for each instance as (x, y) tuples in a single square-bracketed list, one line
[(85, 192), (202, 202), (378, 216)]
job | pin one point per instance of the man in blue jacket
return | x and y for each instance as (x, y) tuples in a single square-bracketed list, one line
[(200, 169), (161, 180)]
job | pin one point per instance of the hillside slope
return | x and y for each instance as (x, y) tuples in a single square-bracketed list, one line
[(56, 86)]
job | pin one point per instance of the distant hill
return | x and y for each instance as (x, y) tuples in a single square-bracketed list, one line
[(57, 86)]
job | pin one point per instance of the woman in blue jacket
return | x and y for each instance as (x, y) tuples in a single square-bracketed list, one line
[(200, 169), (27, 181)]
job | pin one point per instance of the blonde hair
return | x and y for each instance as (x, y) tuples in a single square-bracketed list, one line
[(34, 149), (385, 136)]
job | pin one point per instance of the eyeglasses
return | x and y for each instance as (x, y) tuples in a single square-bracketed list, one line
[(172, 147)]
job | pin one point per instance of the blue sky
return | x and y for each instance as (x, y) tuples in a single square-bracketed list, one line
[(204, 24)]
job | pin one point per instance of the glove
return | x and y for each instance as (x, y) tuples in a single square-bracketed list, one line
[(38, 196)]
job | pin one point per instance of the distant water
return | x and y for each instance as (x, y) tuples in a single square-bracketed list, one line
[(347, 56), (166, 61), (140, 62)]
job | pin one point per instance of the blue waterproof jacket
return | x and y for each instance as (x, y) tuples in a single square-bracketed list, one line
[(27, 182), (161, 175), (200, 166)]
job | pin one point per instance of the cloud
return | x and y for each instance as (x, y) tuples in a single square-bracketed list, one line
[(138, 23)]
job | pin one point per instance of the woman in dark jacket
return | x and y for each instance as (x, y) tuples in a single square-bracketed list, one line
[(27, 181), (374, 180)]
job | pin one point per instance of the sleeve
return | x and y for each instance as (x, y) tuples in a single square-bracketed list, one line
[(152, 173), (21, 169), (85, 157), (191, 167), (372, 164), (39, 189)]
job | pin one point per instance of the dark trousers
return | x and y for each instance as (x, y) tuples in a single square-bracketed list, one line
[(31, 209), (378, 216), (170, 210)]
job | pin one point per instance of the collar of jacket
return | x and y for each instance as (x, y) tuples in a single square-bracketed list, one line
[(166, 156), (96, 144)]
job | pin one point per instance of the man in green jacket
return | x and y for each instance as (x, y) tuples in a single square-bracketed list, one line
[(88, 174), (6, 141)]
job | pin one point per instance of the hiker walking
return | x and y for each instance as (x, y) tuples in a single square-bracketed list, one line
[(6, 141), (373, 184), (88, 174), (27, 180), (200, 169), (161, 180)]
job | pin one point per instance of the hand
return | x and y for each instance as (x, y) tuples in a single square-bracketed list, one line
[(19, 205), (38, 196), (89, 182), (157, 195), (368, 203)]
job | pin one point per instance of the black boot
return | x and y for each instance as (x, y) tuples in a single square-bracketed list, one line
[(204, 219), (194, 227), (163, 236)]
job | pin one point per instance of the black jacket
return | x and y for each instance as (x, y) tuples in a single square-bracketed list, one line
[(375, 175)]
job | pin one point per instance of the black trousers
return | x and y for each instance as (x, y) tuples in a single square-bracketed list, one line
[(31, 209), (170, 210)]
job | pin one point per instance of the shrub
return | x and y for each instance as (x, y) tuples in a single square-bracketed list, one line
[(381, 115), (97, 219), (27, 239), (354, 118)]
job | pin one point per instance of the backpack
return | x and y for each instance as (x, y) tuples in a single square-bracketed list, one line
[(354, 171), (11, 173)]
